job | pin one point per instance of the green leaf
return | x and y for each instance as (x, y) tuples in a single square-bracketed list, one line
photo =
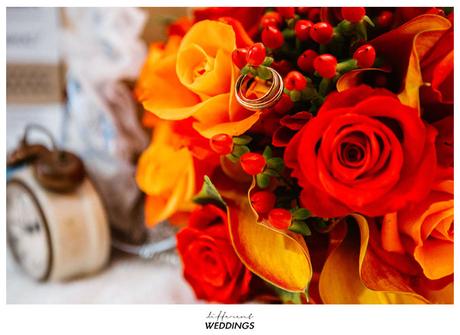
[(209, 194), (272, 173), (369, 21), (301, 214), (300, 227), (233, 158), (288, 33), (267, 61), (240, 150), (291, 23), (322, 225), (264, 73), (276, 163), (344, 27), (268, 153), (361, 30), (308, 93), (246, 69), (263, 180), (324, 86), (242, 140), (347, 65)]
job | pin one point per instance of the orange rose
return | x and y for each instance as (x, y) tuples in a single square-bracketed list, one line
[(166, 174), (429, 227), (170, 171), (194, 77)]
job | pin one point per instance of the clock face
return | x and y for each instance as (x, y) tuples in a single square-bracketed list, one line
[(27, 231)]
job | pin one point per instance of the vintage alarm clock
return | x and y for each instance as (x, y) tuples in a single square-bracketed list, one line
[(57, 227)]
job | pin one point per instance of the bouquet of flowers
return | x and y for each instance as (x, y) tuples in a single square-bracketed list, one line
[(306, 153)]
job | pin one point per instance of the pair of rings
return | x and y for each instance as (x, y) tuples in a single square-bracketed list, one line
[(272, 93)]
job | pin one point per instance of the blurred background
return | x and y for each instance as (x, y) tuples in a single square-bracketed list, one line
[(72, 71)]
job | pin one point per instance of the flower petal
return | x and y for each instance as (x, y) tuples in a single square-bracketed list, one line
[(409, 41), (279, 258), (344, 279)]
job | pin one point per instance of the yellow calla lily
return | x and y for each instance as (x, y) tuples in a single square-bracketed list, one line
[(343, 275), (281, 258)]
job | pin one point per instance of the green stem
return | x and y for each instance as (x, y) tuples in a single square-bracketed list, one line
[(324, 86), (347, 65)]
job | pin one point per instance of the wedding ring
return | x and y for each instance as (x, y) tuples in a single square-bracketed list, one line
[(247, 82)]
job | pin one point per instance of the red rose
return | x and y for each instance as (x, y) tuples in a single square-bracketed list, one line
[(364, 152), (210, 264)]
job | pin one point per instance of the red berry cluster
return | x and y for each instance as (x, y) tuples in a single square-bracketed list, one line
[(302, 47), (314, 42), (253, 55), (264, 202)]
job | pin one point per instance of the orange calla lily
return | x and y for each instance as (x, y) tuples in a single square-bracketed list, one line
[(281, 258), (403, 48), (353, 78), (423, 41), (353, 274)]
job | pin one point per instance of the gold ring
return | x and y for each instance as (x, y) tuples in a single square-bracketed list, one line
[(246, 82)]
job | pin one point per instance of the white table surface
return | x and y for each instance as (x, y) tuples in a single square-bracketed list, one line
[(126, 280)]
